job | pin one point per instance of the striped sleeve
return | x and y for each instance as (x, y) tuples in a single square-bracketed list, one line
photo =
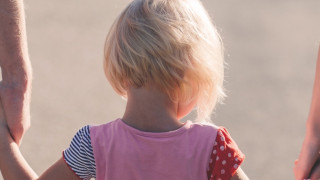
[(79, 156)]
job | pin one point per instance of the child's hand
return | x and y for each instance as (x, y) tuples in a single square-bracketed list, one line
[(4, 131), (15, 103), (3, 122)]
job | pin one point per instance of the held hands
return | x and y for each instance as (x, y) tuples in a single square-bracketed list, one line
[(3, 122), (308, 164), (15, 99), (4, 131)]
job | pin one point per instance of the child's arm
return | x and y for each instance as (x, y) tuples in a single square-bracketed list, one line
[(311, 145), (239, 175), (13, 166)]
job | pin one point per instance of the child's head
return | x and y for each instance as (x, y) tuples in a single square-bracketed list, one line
[(168, 44)]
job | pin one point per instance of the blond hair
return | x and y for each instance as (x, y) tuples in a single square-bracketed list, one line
[(171, 44)]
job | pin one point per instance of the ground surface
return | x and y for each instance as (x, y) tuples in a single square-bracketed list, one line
[(271, 49)]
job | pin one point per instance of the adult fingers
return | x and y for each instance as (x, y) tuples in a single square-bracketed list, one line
[(2, 116), (16, 104), (307, 158), (315, 173)]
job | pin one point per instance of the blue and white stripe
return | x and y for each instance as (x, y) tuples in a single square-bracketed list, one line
[(79, 156)]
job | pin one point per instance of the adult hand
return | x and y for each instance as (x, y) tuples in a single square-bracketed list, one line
[(3, 122), (308, 165), (15, 87), (15, 100), (315, 173)]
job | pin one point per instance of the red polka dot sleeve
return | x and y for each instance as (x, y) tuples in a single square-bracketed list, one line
[(225, 157)]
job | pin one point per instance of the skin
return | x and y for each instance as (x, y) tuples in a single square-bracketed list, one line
[(15, 87), (239, 175), (308, 163)]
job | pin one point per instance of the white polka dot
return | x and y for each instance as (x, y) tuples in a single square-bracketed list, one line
[(221, 148), (215, 143), (220, 133), (214, 151), (236, 159), (217, 158), (223, 171), (236, 166), (224, 162), (222, 138), (229, 154)]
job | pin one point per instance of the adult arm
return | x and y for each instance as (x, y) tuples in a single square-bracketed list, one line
[(311, 146), (15, 87)]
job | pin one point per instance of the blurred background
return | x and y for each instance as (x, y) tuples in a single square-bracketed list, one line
[(271, 49)]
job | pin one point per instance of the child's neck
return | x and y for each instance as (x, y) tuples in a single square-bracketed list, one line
[(150, 111)]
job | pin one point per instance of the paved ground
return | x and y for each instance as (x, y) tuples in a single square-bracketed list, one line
[(271, 50)]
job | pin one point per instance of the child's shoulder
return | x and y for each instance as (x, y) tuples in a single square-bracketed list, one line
[(204, 127), (210, 127)]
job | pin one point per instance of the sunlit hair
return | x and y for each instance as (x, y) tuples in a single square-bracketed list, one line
[(170, 44)]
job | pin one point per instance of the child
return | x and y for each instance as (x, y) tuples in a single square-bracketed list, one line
[(165, 57)]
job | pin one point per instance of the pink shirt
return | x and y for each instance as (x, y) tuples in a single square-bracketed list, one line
[(123, 152)]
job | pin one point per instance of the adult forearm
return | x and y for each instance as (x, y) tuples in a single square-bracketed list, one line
[(15, 87), (14, 58), (311, 145), (313, 122)]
